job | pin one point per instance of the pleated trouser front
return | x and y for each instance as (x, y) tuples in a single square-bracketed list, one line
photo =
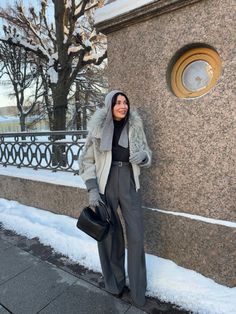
[(120, 191)]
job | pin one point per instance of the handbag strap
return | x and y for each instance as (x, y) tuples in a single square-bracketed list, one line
[(102, 204)]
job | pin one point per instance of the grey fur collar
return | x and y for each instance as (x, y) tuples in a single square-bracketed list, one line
[(96, 123)]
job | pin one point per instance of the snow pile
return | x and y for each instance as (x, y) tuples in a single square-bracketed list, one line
[(117, 8), (166, 280), (41, 175), (59, 231)]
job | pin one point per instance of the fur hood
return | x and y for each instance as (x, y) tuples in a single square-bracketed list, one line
[(97, 122)]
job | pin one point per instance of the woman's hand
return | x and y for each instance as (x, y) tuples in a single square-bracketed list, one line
[(138, 158), (94, 197)]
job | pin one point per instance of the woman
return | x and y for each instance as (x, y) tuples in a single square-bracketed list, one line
[(115, 149)]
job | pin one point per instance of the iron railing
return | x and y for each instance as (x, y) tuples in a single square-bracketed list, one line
[(55, 150)]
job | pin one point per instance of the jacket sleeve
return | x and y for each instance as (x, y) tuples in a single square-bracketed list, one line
[(144, 145), (87, 168), (147, 162)]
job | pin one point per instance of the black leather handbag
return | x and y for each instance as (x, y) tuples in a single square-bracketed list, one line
[(93, 224)]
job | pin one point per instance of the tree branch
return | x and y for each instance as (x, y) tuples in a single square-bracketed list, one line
[(95, 61), (29, 47)]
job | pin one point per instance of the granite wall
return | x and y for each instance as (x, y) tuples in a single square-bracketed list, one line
[(60, 199), (193, 140)]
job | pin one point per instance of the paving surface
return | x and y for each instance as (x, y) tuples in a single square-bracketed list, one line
[(35, 279)]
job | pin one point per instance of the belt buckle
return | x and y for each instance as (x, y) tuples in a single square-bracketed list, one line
[(120, 163)]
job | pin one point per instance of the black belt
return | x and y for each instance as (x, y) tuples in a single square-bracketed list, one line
[(120, 163)]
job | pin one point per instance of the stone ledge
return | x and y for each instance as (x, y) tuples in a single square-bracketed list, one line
[(66, 200), (140, 14), (207, 248)]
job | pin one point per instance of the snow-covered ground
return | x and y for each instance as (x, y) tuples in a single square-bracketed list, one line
[(42, 175), (166, 280)]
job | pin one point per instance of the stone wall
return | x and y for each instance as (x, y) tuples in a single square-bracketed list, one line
[(59, 199), (193, 140)]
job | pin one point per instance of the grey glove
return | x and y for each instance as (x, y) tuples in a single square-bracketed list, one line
[(94, 197), (138, 158)]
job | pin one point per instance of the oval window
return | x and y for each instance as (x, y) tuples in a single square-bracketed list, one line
[(195, 72)]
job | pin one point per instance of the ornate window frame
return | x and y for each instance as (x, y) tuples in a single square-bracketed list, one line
[(207, 55)]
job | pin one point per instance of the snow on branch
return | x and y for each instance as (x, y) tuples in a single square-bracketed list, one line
[(96, 58), (65, 41), (68, 4)]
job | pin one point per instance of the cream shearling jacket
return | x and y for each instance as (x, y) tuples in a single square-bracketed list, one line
[(95, 164)]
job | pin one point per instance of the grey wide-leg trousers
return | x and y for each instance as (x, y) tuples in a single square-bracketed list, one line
[(120, 191)]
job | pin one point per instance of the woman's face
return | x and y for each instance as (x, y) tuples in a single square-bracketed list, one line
[(120, 109)]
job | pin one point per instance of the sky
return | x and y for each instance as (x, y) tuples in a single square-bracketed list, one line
[(166, 280), (5, 100)]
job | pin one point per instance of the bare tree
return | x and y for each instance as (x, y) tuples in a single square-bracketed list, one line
[(91, 87), (21, 67), (67, 43)]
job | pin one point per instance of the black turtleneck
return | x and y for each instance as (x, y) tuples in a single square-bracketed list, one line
[(119, 153)]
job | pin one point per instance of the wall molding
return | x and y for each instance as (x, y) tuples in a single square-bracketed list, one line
[(141, 14)]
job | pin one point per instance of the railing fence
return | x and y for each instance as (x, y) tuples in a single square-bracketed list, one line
[(54, 150)]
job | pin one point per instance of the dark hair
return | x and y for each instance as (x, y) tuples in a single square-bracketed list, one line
[(114, 98)]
